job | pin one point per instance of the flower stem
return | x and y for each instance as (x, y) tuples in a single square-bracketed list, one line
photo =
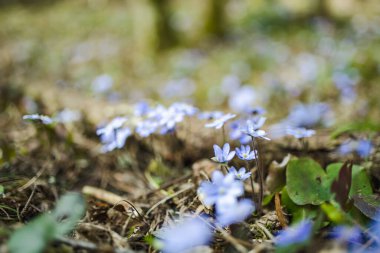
[(260, 173), (251, 179)]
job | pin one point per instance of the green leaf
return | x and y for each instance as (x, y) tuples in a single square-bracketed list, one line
[(299, 213), (360, 181), (68, 211), (34, 236), (1, 189), (306, 182)]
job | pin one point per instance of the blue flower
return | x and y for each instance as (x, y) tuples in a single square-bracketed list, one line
[(297, 234), (235, 212), (210, 115), (102, 83), (245, 153), (352, 235), (67, 116), (309, 115), (114, 134), (364, 148), (184, 108), (237, 134), (141, 109), (223, 156), (219, 122), (169, 120), (252, 128), (187, 234), (146, 128), (46, 120), (242, 174), (221, 191), (300, 133)]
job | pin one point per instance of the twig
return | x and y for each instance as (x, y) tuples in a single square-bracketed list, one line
[(32, 180), (267, 233), (106, 196), (28, 201), (280, 214), (78, 244), (168, 198), (236, 243)]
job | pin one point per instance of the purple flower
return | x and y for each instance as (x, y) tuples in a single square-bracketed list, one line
[(210, 115), (297, 234), (187, 234), (245, 153), (221, 191), (235, 212), (242, 174), (102, 83), (364, 148), (46, 120), (300, 133), (114, 134), (146, 128), (223, 156), (141, 109), (252, 128), (237, 134), (347, 234), (219, 122), (309, 115), (184, 108)]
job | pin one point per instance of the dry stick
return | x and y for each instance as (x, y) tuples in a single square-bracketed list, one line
[(280, 214), (28, 201), (236, 243), (168, 198), (32, 180)]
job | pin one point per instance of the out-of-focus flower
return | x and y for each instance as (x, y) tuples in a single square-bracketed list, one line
[(102, 83), (364, 148), (242, 99), (178, 88), (210, 115), (114, 135), (146, 128), (221, 191), (141, 109), (236, 133), (252, 128), (309, 115), (183, 236), (46, 120), (245, 153), (297, 234), (67, 116), (169, 120), (241, 175), (300, 133), (230, 84), (347, 234), (235, 212), (219, 122), (223, 156), (184, 108)]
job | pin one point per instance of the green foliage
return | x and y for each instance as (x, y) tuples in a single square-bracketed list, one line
[(33, 237), (298, 212), (306, 182), (360, 180)]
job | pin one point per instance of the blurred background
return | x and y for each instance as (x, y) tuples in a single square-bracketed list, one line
[(230, 54)]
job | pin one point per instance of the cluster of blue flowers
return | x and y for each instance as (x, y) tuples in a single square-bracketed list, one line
[(362, 147)]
